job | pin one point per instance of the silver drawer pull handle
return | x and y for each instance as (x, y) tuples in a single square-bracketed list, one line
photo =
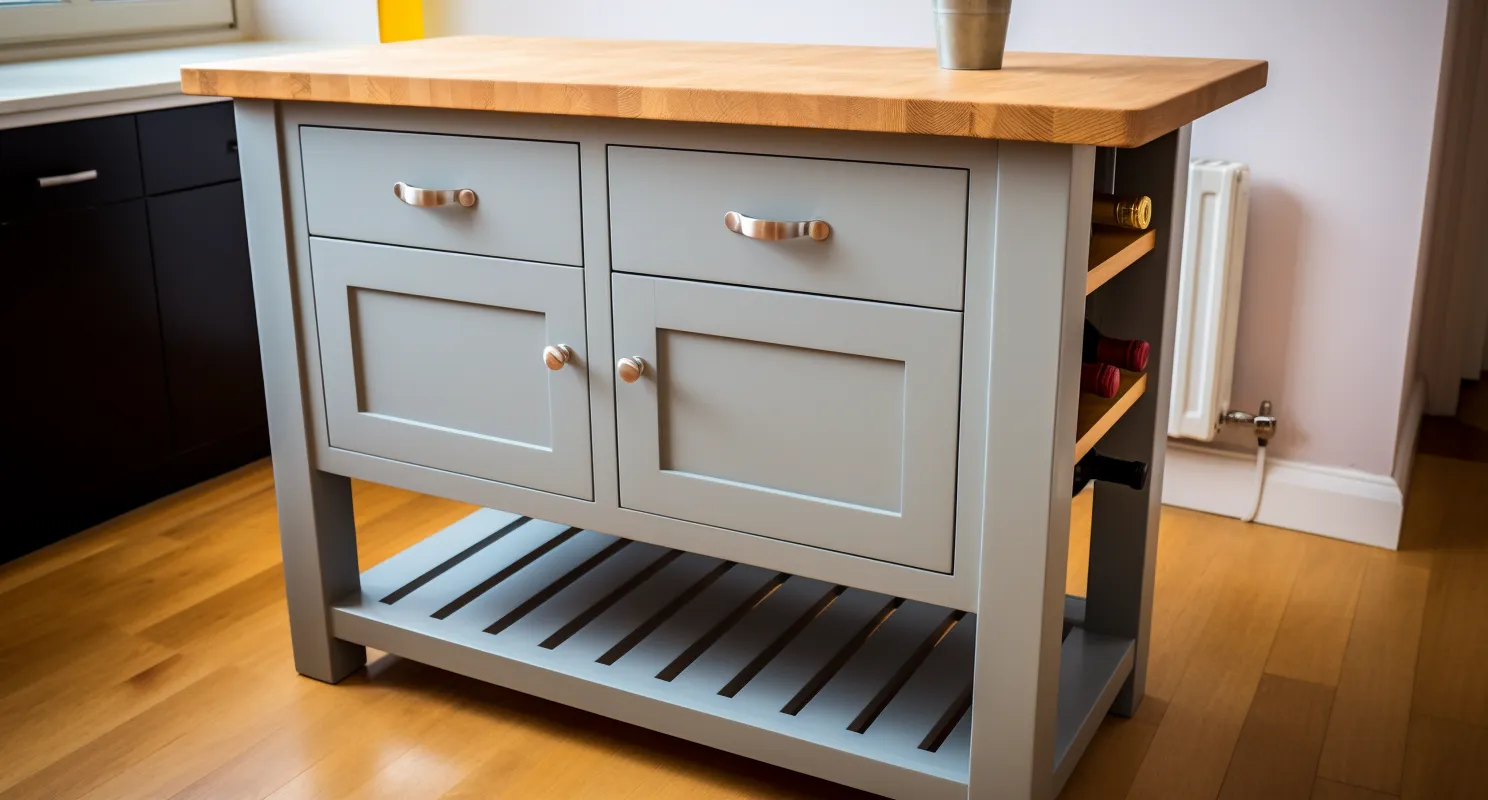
[(428, 198), (631, 369), (62, 180), (770, 230), (556, 355)]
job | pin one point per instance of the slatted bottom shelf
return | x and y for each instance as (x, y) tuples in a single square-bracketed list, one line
[(850, 685)]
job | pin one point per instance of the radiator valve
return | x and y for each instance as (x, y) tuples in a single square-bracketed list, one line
[(1264, 423)]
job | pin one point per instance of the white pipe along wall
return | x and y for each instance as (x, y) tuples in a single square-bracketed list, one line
[(1339, 147)]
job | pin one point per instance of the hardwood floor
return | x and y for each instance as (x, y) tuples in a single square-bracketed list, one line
[(149, 658)]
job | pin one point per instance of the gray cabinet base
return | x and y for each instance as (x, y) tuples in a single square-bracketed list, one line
[(849, 685)]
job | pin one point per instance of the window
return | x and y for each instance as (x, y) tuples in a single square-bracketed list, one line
[(42, 20)]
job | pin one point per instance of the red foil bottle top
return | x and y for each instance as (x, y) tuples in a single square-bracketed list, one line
[(1101, 380), (1129, 354)]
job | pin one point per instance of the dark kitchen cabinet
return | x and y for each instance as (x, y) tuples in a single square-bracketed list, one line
[(127, 326), (81, 341), (209, 331)]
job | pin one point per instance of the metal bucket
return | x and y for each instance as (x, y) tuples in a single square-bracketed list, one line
[(970, 34)]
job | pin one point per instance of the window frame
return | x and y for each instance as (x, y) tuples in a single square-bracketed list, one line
[(70, 20)]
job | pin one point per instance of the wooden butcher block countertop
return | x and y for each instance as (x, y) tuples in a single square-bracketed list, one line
[(1121, 101)]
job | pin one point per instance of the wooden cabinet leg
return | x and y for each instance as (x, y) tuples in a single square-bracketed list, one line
[(317, 535), (317, 530), (1040, 259)]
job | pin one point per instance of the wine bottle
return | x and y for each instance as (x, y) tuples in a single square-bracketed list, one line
[(1129, 354), (1122, 212), (1101, 380), (1096, 467)]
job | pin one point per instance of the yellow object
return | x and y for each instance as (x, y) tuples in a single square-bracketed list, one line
[(400, 20)]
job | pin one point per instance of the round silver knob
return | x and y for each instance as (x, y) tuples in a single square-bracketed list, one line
[(631, 369), (556, 355)]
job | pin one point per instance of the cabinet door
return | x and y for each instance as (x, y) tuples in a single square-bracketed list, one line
[(206, 313), (816, 420), (81, 347), (437, 359)]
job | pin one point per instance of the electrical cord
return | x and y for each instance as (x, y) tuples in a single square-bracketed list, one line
[(1260, 481)]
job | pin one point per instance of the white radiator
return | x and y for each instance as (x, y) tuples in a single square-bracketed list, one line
[(1209, 297)]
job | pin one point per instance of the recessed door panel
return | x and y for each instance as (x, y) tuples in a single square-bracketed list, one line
[(437, 359), (816, 420)]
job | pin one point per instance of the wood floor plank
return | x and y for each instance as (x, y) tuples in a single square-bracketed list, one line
[(1110, 762), (1365, 745), (1191, 750), (236, 602), (1194, 551), (60, 658), (1445, 760), (147, 520), (1451, 679), (1315, 629), (46, 723), (1324, 789), (150, 657), (450, 750), (1277, 755), (182, 730), (318, 727), (63, 598)]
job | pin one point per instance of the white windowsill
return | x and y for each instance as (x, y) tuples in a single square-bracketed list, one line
[(61, 89)]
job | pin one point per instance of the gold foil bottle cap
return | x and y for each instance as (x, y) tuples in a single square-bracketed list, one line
[(1134, 212)]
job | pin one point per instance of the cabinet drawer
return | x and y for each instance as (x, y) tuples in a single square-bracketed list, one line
[(181, 148), (436, 359), (816, 420), (89, 162), (526, 192), (898, 233)]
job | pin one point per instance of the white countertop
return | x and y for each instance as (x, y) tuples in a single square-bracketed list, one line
[(55, 90)]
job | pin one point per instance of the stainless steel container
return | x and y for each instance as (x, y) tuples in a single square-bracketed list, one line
[(970, 34)]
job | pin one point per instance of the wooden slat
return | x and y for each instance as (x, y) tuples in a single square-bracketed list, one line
[(437, 593), (689, 624), (1113, 250), (850, 690), (1119, 101), (778, 682), (383, 580), (632, 611), (568, 604), (782, 609), (1098, 414), (937, 684)]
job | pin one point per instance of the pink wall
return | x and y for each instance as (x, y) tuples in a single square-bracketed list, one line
[(1338, 145)]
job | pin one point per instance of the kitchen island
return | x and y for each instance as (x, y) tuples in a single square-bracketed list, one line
[(817, 511)]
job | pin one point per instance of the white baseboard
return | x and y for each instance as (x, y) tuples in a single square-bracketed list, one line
[(1340, 503)]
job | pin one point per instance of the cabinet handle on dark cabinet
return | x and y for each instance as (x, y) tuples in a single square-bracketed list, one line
[(63, 180)]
